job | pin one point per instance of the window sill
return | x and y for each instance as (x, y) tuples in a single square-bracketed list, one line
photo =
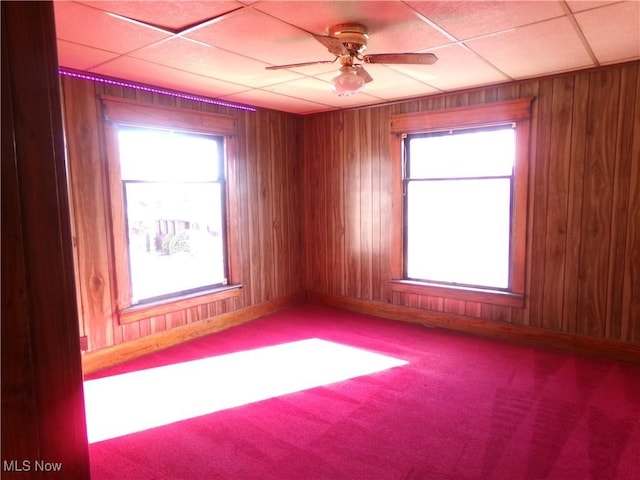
[(469, 294), (140, 312)]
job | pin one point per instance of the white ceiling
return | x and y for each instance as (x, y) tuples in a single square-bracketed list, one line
[(219, 49)]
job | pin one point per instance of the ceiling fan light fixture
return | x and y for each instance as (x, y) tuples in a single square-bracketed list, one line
[(348, 82)]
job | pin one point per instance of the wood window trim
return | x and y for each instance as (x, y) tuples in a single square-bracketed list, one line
[(517, 111), (140, 312), (124, 110), (119, 111), (469, 294)]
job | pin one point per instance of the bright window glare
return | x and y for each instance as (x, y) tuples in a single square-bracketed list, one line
[(172, 266), (468, 154), (163, 155), (174, 201), (458, 209), (137, 401), (465, 238)]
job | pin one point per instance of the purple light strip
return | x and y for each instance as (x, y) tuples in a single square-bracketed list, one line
[(159, 91)]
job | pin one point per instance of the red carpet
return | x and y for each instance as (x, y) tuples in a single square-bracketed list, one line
[(461, 408)]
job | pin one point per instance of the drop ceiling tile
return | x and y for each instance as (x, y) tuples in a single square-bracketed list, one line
[(393, 27), (80, 57), (165, 77), (261, 37), (317, 17), (389, 84), (465, 19), (457, 67), (609, 46), (212, 62), (580, 5), (315, 70), (543, 48), (521, 38), (275, 101), (85, 25), (169, 14), (320, 91)]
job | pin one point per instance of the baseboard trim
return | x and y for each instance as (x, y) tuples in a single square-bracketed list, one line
[(522, 334), (109, 356)]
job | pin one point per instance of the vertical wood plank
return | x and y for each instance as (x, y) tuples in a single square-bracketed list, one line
[(539, 169), (276, 149), (387, 178), (353, 192), (496, 313), (396, 203), (457, 100), (130, 331), (234, 210), (366, 206), (602, 122), (620, 202), (74, 240), (377, 232), (454, 306), (87, 181), (630, 325), (529, 90), (243, 210), (559, 161), (574, 217), (313, 156), (175, 319), (157, 324), (255, 264), (473, 309), (266, 279), (334, 206)]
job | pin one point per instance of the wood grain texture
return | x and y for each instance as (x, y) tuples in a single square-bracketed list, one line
[(266, 212), (539, 337), (158, 340), (628, 101), (597, 198), (88, 186), (582, 224), (314, 207), (630, 327), (538, 201), (42, 399), (557, 154)]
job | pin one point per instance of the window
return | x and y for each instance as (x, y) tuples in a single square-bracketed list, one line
[(460, 186), (173, 188), (169, 180)]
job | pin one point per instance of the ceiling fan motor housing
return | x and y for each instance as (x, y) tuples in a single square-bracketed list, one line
[(347, 42), (353, 36)]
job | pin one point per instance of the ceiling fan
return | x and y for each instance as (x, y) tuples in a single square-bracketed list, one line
[(347, 42)]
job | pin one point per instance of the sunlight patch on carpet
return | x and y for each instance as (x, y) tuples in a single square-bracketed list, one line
[(136, 401)]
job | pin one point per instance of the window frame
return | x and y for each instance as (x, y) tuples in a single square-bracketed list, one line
[(118, 112), (518, 112)]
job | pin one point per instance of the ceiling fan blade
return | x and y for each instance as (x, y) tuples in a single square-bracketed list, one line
[(362, 73), (333, 44), (401, 58), (294, 65)]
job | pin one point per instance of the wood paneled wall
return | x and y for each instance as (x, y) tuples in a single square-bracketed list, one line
[(326, 178), (268, 181), (583, 240)]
